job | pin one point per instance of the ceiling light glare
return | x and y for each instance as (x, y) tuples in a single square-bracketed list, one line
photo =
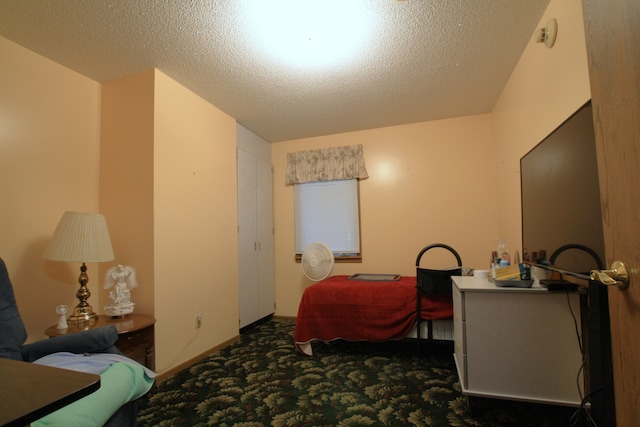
[(310, 33)]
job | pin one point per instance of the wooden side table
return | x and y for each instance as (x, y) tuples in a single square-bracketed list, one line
[(135, 335)]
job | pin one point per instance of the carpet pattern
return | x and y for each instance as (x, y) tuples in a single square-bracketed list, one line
[(263, 381)]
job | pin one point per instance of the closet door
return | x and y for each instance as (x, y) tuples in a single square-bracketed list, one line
[(255, 238), (247, 243), (264, 220)]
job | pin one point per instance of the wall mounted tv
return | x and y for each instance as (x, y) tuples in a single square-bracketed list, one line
[(561, 195)]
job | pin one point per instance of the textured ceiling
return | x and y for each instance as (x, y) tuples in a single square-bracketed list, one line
[(422, 59)]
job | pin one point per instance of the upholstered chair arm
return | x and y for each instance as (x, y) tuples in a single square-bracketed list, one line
[(97, 340)]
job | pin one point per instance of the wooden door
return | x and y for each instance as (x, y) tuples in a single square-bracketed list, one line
[(612, 29)]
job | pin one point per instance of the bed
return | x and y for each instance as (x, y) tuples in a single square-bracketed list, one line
[(368, 310)]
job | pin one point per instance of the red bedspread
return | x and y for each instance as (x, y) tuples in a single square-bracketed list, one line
[(358, 310)]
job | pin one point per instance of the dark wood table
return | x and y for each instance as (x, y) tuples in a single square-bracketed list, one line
[(29, 391)]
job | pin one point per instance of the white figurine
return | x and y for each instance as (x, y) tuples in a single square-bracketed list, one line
[(124, 279), (62, 320)]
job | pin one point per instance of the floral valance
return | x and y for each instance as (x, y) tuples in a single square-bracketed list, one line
[(328, 164)]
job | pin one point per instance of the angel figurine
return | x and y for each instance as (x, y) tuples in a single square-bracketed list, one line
[(122, 279), (61, 310)]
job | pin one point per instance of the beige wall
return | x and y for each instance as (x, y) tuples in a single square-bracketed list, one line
[(430, 182), (165, 168), (168, 175), (452, 181), (546, 87), (195, 223), (49, 158), (127, 179)]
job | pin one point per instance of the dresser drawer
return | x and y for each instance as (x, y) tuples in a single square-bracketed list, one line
[(138, 345), (143, 337)]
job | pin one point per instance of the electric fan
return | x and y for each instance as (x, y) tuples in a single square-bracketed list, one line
[(317, 261)]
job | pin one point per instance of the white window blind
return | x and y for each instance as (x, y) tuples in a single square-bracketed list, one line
[(327, 212)]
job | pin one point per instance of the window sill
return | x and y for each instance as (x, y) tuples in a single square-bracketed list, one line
[(339, 259)]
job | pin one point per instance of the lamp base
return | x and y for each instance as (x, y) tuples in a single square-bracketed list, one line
[(83, 313), (82, 316)]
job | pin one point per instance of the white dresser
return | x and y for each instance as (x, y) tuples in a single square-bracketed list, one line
[(517, 343)]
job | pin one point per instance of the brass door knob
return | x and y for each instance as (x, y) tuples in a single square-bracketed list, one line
[(616, 276)]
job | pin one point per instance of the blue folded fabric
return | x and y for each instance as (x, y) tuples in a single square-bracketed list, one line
[(92, 363)]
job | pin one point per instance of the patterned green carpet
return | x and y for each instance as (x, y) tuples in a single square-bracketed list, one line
[(263, 381)]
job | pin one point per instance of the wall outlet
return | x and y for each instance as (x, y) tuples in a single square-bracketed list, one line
[(198, 320)]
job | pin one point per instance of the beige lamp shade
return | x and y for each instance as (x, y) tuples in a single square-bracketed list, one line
[(80, 237)]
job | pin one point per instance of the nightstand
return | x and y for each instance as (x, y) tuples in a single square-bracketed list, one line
[(135, 335)]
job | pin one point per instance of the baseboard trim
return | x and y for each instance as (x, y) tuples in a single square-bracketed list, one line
[(186, 364), (284, 317)]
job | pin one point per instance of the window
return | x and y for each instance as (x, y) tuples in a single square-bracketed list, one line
[(328, 212)]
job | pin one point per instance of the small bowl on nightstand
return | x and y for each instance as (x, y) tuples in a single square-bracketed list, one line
[(513, 283)]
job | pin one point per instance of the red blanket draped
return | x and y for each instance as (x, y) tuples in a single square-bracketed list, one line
[(359, 310)]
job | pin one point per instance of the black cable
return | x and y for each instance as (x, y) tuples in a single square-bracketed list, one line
[(598, 389), (585, 357)]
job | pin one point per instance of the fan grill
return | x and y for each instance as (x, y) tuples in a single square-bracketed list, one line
[(317, 261)]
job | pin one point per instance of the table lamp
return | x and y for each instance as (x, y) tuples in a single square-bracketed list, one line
[(81, 237)]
